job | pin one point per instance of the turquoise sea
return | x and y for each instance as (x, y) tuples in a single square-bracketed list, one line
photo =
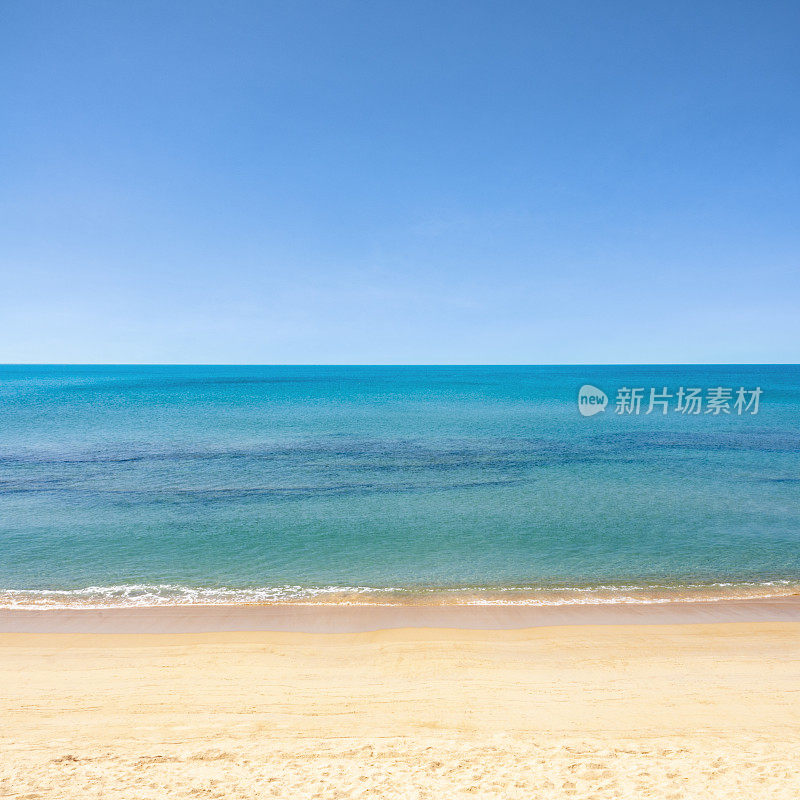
[(200, 484)]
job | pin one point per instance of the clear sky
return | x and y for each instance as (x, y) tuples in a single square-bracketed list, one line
[(399, 182)]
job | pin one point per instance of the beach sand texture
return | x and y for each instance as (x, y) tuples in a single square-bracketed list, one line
[(635, 711)]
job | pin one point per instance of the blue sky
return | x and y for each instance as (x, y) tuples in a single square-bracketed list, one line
[(399, 182)]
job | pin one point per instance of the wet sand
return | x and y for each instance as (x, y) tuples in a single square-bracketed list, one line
[(330, 618)]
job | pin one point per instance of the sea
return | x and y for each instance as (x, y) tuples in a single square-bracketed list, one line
[(162, 485)]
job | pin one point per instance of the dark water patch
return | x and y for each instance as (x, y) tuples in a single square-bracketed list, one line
[(232, 493), (706, 441)]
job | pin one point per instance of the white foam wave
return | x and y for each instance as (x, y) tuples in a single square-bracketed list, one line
[(146, 595)]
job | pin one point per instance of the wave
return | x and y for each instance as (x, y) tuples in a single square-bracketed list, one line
[(147, 595)]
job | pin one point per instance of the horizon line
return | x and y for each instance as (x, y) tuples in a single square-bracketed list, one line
[(398, 364)]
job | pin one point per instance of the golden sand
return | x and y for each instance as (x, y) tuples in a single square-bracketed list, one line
[(637, 711)]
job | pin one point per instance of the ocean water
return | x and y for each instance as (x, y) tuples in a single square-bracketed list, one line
[(148, 485)]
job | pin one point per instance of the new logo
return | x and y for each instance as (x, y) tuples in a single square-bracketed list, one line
[(591, 400)]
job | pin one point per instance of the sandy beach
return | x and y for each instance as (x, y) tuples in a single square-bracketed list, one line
[(690, 710)]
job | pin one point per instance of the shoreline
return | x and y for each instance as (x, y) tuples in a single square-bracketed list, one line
[(330, 618)]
